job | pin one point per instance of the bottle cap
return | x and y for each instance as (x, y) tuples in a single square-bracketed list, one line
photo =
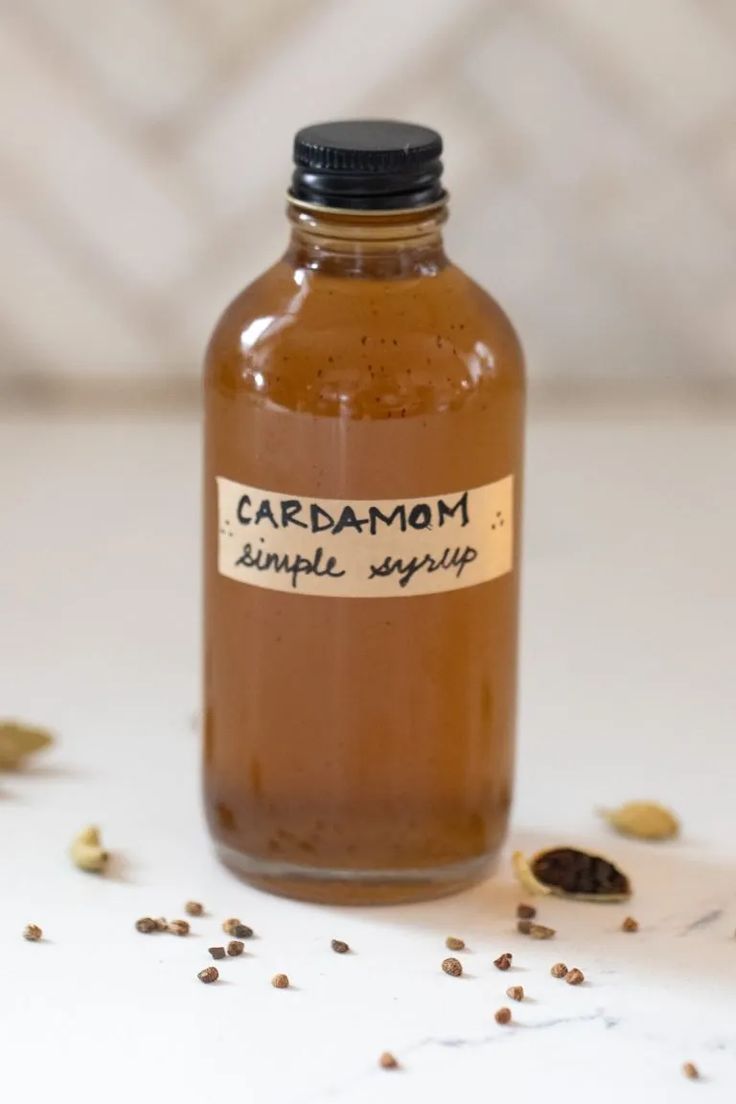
[(368, 165)]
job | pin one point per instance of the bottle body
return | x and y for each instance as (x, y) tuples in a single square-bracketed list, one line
[(359, 747)]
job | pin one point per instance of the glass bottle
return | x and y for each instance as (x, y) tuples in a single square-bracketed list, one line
[(363, 459)]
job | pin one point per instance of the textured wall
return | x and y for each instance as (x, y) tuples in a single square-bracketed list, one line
[(591, 153)]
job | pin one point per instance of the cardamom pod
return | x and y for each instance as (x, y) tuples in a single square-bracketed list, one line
[(87, 851), (643, 820), (570, 872), (18, 740)]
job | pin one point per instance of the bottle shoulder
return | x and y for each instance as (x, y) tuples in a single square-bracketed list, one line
[(489, 317), (366, 347)]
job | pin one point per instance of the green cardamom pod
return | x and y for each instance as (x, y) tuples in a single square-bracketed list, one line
[(87, 851), (643, 820), (19, 740)]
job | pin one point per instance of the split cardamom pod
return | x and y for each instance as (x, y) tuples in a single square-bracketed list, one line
[(19, 740), (643, 820), (87, 851), (570, 872)]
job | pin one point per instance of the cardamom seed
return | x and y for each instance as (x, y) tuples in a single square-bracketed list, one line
[(541, 931), (643, 820), (234, 927)]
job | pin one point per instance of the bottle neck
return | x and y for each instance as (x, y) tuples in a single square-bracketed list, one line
[(378, 245)]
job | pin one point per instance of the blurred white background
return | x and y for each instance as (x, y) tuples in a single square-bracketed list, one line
[(590, 154)]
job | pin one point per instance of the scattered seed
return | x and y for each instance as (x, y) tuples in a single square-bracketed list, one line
[(691, 1071), (630, 925), (145, 925), (217, 952), (194, 908), (339, 947), (526, 912), (540, 931), (503, 1016), (516, 992), (208, 975), (387, 1061), (524, 926), (559, 970), (32, 933), (452, 966), (179, 927), (503, 962), (161, 924), (280, 981), (234, 927), (454, 944), (575, 977), (235, 948)]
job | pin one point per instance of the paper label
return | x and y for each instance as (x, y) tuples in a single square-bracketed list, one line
[(365, 548)]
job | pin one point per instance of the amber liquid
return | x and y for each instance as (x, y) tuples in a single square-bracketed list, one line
[(361, 749)]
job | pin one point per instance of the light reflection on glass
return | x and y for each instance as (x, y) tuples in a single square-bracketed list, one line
[(254, 331), (480, 360)]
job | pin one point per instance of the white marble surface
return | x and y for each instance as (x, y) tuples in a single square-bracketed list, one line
[(627, 690)]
